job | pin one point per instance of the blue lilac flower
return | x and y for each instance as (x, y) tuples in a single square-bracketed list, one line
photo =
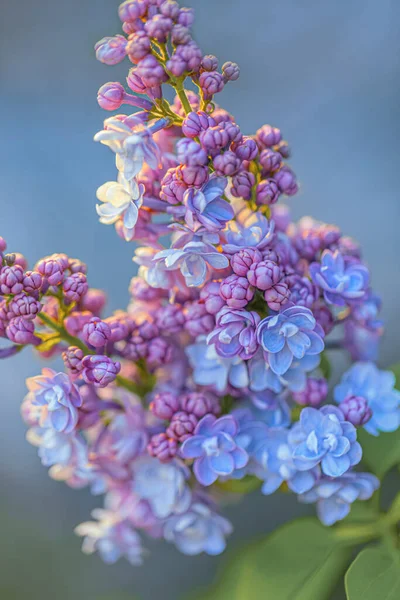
[(377, 387), (248, 230), (340, 282), (58, 396), (271, 408), (323, 437), (363, 329), (251, 434), (193, 260), (211, 369), (334, 497), (111, 537), (198, 530), (214, 448), (163, 485), (274, 457), (262, 377), (206, 205), (235, 333), (291, 334)]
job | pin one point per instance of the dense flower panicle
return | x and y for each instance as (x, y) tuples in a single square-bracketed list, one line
[(216, 370)]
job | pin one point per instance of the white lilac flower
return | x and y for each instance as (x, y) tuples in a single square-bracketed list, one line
[(111, 537), (121, 199), (193, 260), (132, 143), (162, 485)]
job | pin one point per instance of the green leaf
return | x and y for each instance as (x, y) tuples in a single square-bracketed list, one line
[(300, 561), (248, 484), (381, 453), (325, 366), (375, 574)]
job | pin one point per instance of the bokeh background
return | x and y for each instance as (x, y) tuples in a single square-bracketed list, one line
[(326, 73)]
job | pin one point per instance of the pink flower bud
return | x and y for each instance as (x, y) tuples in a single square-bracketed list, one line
[(182, 426), (162, 447), (11, 279), (164, 405), (236, 291), (111, 95), (111, 50), (24, 306), (21, 330), (244, 259), (96, 332), (75, 286), (277, 296)]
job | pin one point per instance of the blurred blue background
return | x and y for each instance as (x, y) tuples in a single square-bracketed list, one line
[(326, 73)]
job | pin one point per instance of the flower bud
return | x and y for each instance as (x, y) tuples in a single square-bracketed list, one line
[(110, 96), (242, 261), (268, 136), (75, 286), (211, 82), (196, 122), (164, 405), (356, 410), (111, 50), (138, 46), (11, 279), (236, 291), (245, 149), (227, 164), (182, 426), (99, 370), (24, 306), (209, 63), (264, 274), (96, 332), (230, 71), (277, 296), (242, 184), (21, 330), (313, 394), (162, 447), (267, 192)]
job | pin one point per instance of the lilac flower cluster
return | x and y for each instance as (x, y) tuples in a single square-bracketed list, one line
[(213, 372)]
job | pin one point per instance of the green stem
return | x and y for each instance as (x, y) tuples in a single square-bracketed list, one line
[(384, 527), (182, 96), (129, 385)]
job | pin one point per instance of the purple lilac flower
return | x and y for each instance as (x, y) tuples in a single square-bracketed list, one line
[(363, 329), (111, 537), (206, 206), (230, 71), (270, 160), (58, 397), (197, 320), (163, 485), (377, 387), (32, 282), (314, 393), (235, 333), (334, 497), (100, 370), (249, 230), (211, 369), (214, 449), (340, 283), (286, 181), (292, 334), (324, 437), (198, 530), (52, 268)]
